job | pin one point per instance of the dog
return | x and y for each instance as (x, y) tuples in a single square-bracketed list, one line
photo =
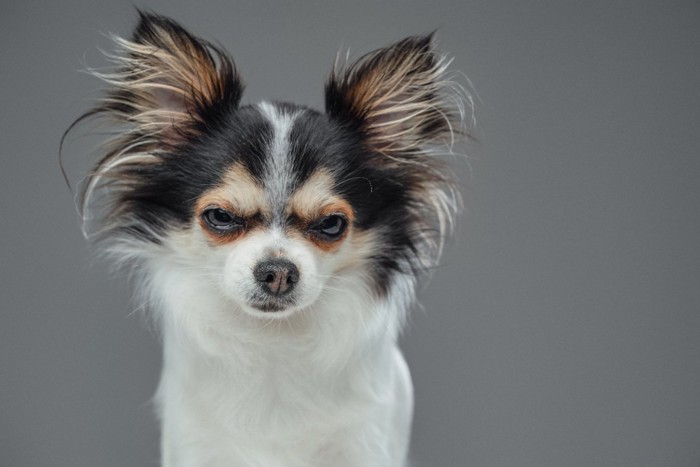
[(277, 248)]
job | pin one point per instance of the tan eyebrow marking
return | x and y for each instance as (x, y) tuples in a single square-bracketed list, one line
[(316, 199), (241, 195), (239, 191)]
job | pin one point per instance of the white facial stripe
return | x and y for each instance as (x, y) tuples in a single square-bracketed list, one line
[(279, 170)]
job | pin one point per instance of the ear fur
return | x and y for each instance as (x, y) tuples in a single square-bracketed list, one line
[(399, 98), (168, 80), (407, 111), (170, 86)]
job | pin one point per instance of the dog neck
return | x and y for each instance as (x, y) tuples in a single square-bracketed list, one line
[(346, 330)]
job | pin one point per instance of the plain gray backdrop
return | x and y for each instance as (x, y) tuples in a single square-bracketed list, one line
[(563, 328)]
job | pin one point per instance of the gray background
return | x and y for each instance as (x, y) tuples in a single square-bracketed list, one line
[(563, 328)]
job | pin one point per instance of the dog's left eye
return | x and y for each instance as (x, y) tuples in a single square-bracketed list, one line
[(221, 220), (331, 227)]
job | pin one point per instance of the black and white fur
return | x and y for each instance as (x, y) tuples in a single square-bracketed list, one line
[(278, 248)]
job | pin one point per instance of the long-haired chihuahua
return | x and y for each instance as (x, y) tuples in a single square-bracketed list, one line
[(277, 248)]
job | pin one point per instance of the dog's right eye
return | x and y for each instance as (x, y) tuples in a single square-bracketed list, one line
[(220, 220)]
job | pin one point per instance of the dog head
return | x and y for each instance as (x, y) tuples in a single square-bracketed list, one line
[(277, 204)]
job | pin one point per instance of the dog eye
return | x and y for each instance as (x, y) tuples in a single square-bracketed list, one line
[(221, 220), (330, 227)]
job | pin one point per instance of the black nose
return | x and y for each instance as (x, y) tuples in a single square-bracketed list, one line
[(276, 276)]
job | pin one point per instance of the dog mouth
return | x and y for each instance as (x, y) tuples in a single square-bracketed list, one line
[(269, 307), (272, 305)]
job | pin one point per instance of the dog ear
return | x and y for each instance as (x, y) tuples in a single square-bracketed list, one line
[(397, 97), (169, 87), (169, 82)]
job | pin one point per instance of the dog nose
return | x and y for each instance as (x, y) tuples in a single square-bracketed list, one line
[(276, 276)]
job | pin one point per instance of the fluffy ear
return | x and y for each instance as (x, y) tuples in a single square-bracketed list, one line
[(168, 80), (398, 97), (169, 88)]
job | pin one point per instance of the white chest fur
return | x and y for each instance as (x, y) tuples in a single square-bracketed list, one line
[(329, 387)]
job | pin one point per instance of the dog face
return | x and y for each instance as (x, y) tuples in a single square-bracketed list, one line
[(277, 202), (280, 220)]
